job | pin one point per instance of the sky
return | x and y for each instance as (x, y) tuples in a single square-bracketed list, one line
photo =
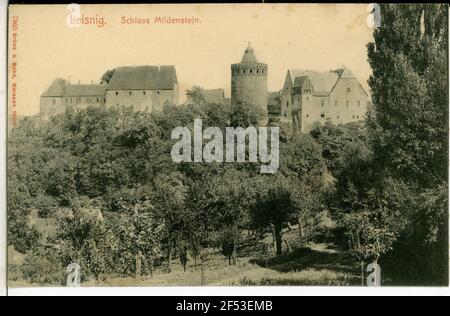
[(315, 37)]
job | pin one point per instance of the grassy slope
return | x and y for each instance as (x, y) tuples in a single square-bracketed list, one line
[(318, 264)]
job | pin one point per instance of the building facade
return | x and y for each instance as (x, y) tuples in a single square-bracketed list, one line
[(52, 100), (144, 88), (249, 81), (310, 97), (62, 96)]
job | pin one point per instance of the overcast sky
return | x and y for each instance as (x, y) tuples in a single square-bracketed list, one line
[(315, 37)]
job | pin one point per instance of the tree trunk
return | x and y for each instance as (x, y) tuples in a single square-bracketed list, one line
[(151, 267), (169, 257), (301, 230), (234, 253), (278, 239), (362, 273)]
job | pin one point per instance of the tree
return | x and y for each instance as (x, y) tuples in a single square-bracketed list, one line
[(195, 96), (139, 231), (20, 234), (408, 127), (169, 200), (243, 115), (274, 207), (84, 238), (106, 78)]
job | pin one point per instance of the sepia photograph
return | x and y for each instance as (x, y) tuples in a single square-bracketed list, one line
[(218, 145)]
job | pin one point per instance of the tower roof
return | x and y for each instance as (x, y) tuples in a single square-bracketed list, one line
[(249, 56)]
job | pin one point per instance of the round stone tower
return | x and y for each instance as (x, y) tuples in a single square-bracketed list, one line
[(249, 81)]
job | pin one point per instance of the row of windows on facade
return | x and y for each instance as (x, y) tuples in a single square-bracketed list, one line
[(257, 71), (323, 116), (309, 90), (322, 103), (143, 92), (78, 100)]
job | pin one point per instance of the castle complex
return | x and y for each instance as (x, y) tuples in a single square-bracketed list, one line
[(307, 97)]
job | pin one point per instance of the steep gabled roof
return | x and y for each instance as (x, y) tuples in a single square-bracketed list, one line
[(85, 90), (56, 89), (144, 78), (323, 82)]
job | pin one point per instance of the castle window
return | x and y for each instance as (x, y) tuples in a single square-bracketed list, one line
[(287, 104), (307, 98), (338, 117), (353, 117), (257, 72), (98, 100), (348, 89), (144, 93), (251, 71), (322, 115), (157, 93), (307, 115), (131, 93), (243, 71), (357, 117), (117, 92)]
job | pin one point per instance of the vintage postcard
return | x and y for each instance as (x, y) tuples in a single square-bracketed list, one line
[(227, 145)]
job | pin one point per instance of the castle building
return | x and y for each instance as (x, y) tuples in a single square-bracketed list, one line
[(309, 97), (62, 96), (145, 88), (52, 100), (249, 81)]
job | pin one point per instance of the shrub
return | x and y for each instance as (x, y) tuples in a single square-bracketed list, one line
[(42, 268)]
